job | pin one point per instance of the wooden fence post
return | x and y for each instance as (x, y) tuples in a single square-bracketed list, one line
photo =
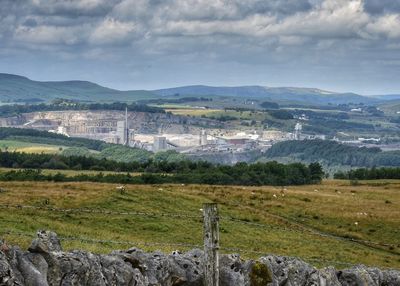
[(211, 245)]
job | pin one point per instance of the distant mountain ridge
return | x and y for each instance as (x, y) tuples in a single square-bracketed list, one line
[(15, 88), (278, 94)]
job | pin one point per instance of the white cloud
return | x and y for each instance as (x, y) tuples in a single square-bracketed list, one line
[(73, 7), (386, 25), (112, 31), (318, 33)]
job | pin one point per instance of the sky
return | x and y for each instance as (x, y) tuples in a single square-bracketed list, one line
[(338, 45)]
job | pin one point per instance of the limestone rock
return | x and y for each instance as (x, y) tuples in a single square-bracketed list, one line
[(46, 264)]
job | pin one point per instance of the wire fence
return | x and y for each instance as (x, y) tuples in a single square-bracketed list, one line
[(165, 244), (105, 241), (304, 229), (101, 211), (295, 227)]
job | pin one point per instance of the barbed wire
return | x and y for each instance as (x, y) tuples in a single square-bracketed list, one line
[(308, 229), (106, 241), (187, 245), (101, 211), (257, 224), (303, 229)]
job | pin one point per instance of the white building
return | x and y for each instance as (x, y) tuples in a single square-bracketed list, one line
[(160, 143)]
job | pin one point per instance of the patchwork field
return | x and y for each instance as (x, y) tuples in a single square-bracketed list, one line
[(27, 147), (72, 173), (329, 224)]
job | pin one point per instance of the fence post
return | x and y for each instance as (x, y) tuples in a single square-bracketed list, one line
[(211, 245)]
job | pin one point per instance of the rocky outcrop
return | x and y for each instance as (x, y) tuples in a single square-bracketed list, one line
[(89, 122), (46, 264)]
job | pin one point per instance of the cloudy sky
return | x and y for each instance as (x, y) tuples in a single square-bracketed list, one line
[(340, 45)]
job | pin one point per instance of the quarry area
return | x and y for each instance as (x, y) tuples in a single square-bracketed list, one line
[(156, 131), (46, 264)]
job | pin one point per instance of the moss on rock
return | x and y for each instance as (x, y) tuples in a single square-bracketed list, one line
[(260, 274)]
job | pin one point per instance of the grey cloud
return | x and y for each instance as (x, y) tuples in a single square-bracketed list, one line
[(382, 6), (30, 22), (73, 8), (182, 34), (285, 7)]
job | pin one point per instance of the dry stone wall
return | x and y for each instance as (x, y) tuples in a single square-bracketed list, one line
[(46, 264)]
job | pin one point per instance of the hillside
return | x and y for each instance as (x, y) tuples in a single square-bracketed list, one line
[(18, 139), (331, 154), (280, 94), (14, 88)]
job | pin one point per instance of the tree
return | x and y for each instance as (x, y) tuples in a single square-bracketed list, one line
[(316, 172)]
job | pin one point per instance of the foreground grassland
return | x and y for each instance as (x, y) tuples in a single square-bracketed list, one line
[(369, 213)]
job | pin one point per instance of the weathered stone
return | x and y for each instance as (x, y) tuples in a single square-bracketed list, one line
[(45, 264), (360, 276), (234, 271), (46, 242), (33, 268), (288, 271), (391, 277), (7, 276)]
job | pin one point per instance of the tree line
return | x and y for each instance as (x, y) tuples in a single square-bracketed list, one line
[(334, 153), (270, 173), (61, 104), (369, 174)]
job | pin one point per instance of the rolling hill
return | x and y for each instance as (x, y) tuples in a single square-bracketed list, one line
[(277, 94), (14, 88), (332, 155)]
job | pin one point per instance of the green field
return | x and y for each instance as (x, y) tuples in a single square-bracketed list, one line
[(181, 110), (27, 147), (326, 224), (72, 173)]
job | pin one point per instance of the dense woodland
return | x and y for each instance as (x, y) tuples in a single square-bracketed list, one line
[(271, 173), (332, 126), (334, 153), (369, 174)]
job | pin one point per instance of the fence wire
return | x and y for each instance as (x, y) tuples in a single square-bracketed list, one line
[(101, 211), (301, 228), (308, 229), (166, 244), (106, 241)]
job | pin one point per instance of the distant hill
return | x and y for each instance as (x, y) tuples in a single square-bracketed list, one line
[(388, 96), (14, 88), (277, 94), (330, 153)]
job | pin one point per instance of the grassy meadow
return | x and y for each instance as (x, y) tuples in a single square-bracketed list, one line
[(27, 147), (72, 173), (291, 216)]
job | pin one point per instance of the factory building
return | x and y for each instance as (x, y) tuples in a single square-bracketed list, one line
[(160, 143), (297, 131), (203, 137), (121, 132)]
